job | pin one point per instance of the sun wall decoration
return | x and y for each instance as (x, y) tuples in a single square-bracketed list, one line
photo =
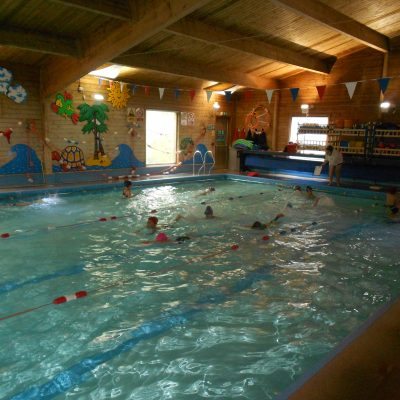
[(118, 95)]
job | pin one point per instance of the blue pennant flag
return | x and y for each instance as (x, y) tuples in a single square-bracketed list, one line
[(294, 92), (383, 84), (228, 95), (177, 93)]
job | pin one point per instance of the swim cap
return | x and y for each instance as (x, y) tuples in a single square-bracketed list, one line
[(161, 237), (257, 225), (209, 211), (308, 189), (154, 220)]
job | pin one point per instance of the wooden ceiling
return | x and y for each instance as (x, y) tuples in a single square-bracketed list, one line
[(192, 43)]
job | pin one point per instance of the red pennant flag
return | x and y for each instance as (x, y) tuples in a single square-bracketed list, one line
[(321, 91), (192, 93), (147, 90)]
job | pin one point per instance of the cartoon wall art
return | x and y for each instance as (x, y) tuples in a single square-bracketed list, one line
[(63, 106), (16, 92), (7, 134), (135, 116), (71, 158), (95, 117), (118, 95)]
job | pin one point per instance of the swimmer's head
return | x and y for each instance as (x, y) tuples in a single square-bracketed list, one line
[(128, 184), (152, 222), (211, 189), (209, 212), (161, 237), (309, 189), (257, 225), (297, 187)]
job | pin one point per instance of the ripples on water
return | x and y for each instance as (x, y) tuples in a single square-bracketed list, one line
[(245, 340)]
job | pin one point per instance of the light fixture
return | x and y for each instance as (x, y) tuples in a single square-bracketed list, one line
[(305, 108), (109, 72), (216, 105), (385, 105), (98, 96)]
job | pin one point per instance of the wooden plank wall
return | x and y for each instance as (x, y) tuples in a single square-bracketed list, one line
[(60, 128), (15, 116), (366, 65)]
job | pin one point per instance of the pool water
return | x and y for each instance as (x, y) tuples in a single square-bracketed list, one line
[(230, 313)]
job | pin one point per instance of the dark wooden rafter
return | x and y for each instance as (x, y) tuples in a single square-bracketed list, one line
[(174, 66), (337, 21), (42, 43), (112, 9), (103, 46), (210, 34)]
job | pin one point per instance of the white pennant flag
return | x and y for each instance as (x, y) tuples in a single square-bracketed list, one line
[(269, 93), (161, 90), (351, 87)]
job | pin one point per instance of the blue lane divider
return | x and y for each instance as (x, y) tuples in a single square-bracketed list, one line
[(80, 372), (10, 286)]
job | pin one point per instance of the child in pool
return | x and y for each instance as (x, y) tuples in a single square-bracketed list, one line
[(392, 201), (127, 192)]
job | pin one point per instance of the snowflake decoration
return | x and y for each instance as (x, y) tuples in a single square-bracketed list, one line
[(17, 93), (5, 75), (118, 95)]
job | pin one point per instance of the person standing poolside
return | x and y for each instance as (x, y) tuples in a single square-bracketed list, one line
[(335, 160)]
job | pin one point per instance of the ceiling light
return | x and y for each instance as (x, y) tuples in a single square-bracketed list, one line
[(385, 105), (109, 72), (305, 107), (98, 96)]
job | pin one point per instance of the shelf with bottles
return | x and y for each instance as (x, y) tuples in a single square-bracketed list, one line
[(312, 145), (386, 143), (315, 129), (349, 132)]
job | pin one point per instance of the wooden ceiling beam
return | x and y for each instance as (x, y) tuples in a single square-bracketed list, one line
[(38, 42), (111, 9), (210, 34), (337, 21), (172, 65), (108, 43)]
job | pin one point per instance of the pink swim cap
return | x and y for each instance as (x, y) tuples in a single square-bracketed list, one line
[(161, 237)]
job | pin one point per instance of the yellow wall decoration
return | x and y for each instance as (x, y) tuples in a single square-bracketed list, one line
[(118, 95)]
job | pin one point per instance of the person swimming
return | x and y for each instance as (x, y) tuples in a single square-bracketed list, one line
[(209, 212), (151, 224), (127, 192), (207, 191)]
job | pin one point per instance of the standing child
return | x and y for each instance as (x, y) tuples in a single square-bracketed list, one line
[(127, 192)]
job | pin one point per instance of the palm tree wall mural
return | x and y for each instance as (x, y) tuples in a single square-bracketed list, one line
[(95, 117)]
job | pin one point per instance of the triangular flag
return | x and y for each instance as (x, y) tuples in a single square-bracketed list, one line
[(192, 93), (100, 81), (294, 92), (147, 90), (383, 84), (269, 93), (321, 91), (161, 91), (209, 94), (177, 93), (351, 87), (248, 94), (228, 95), (122, 85), (134, 87)]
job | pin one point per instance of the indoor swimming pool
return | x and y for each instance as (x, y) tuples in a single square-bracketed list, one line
[(92, 307)]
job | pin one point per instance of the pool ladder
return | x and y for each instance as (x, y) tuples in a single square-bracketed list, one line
[(203, 162)]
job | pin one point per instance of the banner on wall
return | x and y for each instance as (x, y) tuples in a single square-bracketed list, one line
[(190, 118)]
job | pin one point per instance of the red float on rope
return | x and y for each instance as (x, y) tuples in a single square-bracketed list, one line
[(234, 247), (5, 235), (113, 217), (266, 237), (64, 299), (102, 219)]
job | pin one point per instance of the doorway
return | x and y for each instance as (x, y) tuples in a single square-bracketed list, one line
[(161, 136)]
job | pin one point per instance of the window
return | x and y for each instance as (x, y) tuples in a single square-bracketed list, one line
[(311, 140), (161, 135)]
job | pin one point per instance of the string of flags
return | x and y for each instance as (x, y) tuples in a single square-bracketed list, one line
[(294, 91)]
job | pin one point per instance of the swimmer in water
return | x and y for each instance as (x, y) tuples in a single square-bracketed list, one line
[(209, 212), (127, 192), (207, 191)]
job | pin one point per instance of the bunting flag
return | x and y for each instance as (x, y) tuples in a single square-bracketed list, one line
[(294, 92), (122, 85), (177, 93), (269, 93), (248, 94), (383, 84), (147, 90), (161, 91), (228, 95), (321, 91), (100, 81), (192, 93), (209, 94), (351, 87), (134, 87)]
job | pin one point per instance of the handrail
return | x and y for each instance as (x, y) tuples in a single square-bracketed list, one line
[(213, 161), (202, 160)]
